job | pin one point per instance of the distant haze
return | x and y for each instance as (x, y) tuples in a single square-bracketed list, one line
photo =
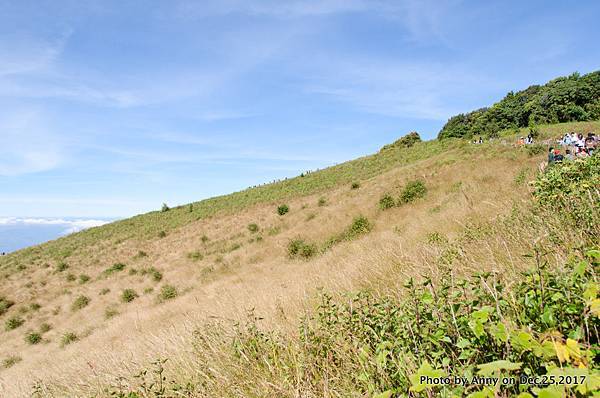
[(17, 233)]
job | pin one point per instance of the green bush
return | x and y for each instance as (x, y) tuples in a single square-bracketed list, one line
[(167, 292), (162, 234), (386, 202), (322, 202), (116, 267), (110, 312), (13, 323), (11, 361), (535, 149), (45, 327), (300, 248), (253, 227), (164, 208), (5, 304), (282, 209), (355, 185), (412, 191), (195, 255), (128, 295), (83, 278), (360, 226), (571, 189), (68, 338), (80, 302), (62, 266), (70, 277), (33, 338), (153, 272)]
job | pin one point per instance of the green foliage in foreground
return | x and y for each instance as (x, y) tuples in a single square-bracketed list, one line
[(565, 99)]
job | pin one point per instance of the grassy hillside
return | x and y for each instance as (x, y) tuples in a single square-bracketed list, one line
[(220, 288)]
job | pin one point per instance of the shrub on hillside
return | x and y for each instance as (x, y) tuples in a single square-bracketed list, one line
[(116, 267), (164, 208), (62, 266), (571, 189), (535, 149), (355, 185), (5, 304), (167, 292), (13, 323), (33, 338), (128, 295), (195, 255), (406, 141), (80, 302), (412, 191), (300, 248), (386, 202), (322, 202), (68, 338), (282, 209), (83, 278), (11, 361), (253, 227)]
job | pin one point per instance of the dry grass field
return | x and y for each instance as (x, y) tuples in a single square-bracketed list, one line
[(101, 305)]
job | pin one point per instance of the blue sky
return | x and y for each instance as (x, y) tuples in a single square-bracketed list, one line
[(109, 108)]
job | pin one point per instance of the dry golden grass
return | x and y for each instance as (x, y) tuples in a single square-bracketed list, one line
[(463, 187)]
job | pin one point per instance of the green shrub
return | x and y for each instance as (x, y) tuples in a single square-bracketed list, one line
[(167, 292), (406, 141), (195, 255), (140, 254), (70, 277), (571, 189), (110, 312), (300, 248), (68, 338), (164, 208), (386, 202), (80, 302), (116, 267), (535, 149), (11, 361), (412, 191), (13, 323), (204, 239), (253, 227), (153, 272), (62, 266), (33, 338), (45, 327), (128, 295), (162, 234), (83, 278), (322, 202), (283, 209), (360, 225), (355, 185), (5, 304)]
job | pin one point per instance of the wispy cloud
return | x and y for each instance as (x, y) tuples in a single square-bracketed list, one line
[(70, 226)]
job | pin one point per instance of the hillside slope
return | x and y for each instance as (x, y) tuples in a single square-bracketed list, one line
[(104, 303)]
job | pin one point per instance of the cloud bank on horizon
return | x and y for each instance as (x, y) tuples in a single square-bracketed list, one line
[(111, 108), (70, 226)]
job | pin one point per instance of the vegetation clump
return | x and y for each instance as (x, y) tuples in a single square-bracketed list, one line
[(386, 202), (13, 323), (412, 191), (33, 338), (300, 248), (116, 267), (406, 141), (11, 361), (5, 304), (128, 295), (68, 338), (282, 209), (80, 302), (253, 227), (167, 292), (355, 185)]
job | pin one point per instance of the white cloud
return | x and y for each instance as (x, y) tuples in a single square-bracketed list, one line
[(70, 226)]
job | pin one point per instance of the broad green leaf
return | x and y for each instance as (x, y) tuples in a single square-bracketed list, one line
[(488, 369), (425, 371), (385, 394)]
